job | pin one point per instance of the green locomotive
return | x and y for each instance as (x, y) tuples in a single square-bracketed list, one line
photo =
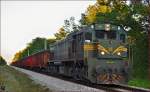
[(97, 53)]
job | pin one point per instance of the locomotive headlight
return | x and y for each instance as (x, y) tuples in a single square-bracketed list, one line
[(119, 54), (107, 27), (102, 53)]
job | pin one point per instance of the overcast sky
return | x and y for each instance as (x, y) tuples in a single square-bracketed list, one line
[(21, 21)]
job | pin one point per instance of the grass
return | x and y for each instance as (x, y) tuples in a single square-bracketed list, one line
[(15, 81), (145, 83)]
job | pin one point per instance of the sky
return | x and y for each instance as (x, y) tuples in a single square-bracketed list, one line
[(22, 21)]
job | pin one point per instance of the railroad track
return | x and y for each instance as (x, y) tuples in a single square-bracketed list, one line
[(131, 89), (124, 88), (114, 87), (106, 87)]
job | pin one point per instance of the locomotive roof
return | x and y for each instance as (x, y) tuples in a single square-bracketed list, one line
[(69, 36), (86, 28)]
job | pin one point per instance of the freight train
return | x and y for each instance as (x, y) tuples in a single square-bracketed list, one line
[(97, 53)]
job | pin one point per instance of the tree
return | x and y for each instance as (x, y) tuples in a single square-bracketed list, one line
[(2, 61), (61, 34), (101, 6), (50, 41), (148, 28), (17, 56), (146, 23), (83, 19), (70, 25), (36, 45)]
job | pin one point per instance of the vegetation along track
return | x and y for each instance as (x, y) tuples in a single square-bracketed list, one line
[(106, 87)]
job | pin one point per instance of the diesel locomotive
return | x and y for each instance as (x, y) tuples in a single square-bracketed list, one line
[(97, 53)]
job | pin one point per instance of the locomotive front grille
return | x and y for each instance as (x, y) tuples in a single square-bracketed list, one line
[(110, 78)]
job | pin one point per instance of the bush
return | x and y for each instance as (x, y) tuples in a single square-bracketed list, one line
[(2, 61)]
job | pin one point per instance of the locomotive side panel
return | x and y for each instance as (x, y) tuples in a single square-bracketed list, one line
[(78, 46), (62, 51)]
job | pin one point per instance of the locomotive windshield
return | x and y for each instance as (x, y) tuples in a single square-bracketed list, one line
[(122, 37), (111, 34), (100, 34)]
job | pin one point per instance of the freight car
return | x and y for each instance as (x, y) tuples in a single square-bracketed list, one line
[(97, 53), (36, 61)]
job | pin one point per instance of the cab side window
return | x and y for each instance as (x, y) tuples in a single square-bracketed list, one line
[(88, 36)]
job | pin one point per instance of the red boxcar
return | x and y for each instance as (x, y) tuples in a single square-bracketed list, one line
[(38, 60)]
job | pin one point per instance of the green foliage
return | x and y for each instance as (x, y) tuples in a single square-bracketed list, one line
[(83, 19), (70, 25), (140, 57), (118, 12), (100, 7), (60, 34), (140, 48), (139, 83), (50, 41), (2, 61), (36, 45), (17, 56)]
